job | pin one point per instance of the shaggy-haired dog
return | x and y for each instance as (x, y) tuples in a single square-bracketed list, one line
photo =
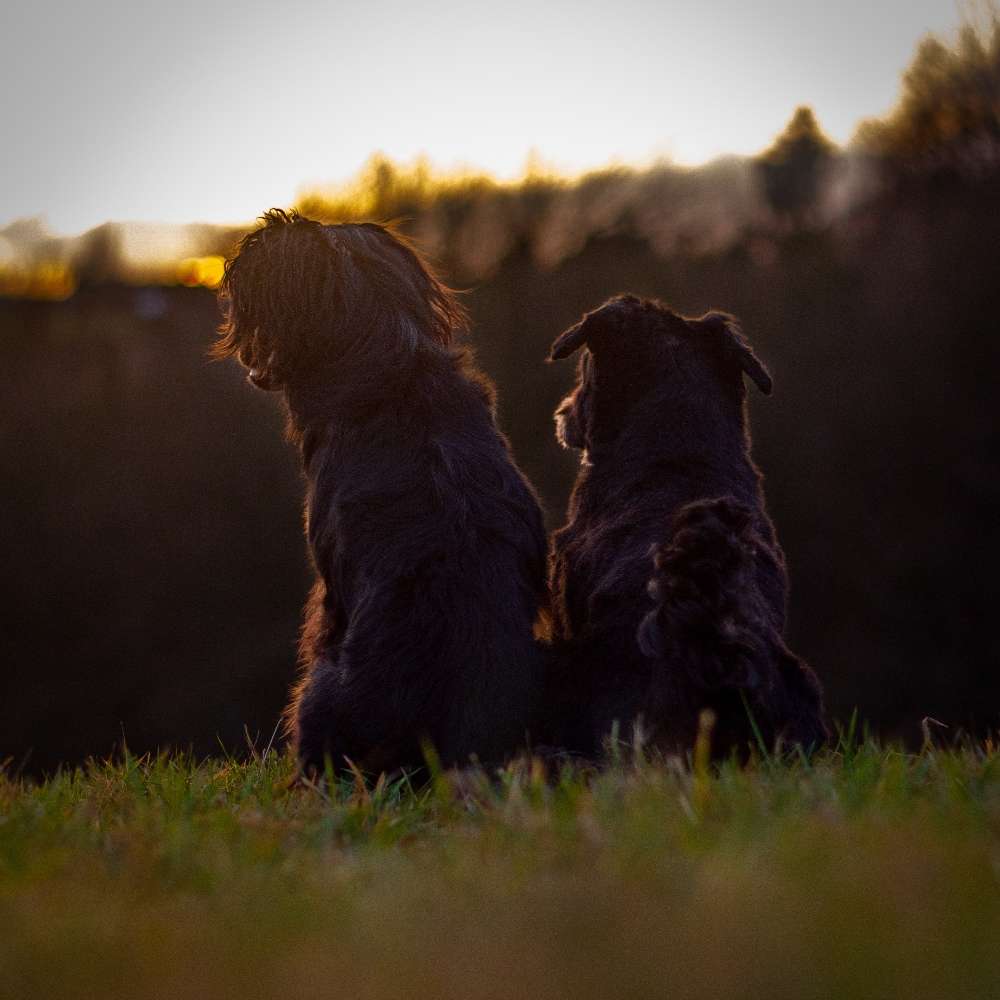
[(659, 415), (427, 541)]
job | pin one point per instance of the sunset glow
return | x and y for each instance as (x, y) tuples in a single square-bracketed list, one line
[(48, 280), (211, 113), (206, 271)]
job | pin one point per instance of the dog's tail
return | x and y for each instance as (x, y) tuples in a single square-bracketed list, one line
[(712, 637), (702, 584)]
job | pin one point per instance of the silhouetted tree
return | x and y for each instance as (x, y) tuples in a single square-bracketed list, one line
[(795, 168), (948, 116), (98, 256)]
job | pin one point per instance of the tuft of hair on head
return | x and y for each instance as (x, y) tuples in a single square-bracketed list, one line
[(297, 295)]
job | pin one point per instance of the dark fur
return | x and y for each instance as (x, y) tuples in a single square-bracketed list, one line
[(712, 635), (427, 541), (659, 414)]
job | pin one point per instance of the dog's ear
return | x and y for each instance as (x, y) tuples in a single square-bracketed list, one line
[(570, 340), (735, 346), (594, 324)]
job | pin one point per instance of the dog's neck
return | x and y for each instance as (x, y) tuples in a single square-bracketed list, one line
[(354, 393), (675, 438)]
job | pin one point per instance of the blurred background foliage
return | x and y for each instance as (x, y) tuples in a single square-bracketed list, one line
[(154, 566)]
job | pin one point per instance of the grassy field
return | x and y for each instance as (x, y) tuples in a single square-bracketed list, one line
[(866, 872)]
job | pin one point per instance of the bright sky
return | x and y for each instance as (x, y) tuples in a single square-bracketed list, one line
[(184, 111)]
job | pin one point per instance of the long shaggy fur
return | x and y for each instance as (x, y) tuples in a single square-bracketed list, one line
[(427, 541), (659, 416), (711, 637)]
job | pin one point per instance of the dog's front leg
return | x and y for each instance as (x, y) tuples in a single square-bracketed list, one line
[(312, 716)]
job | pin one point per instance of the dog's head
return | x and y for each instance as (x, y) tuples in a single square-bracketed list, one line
[(299, 296), (633, 346)]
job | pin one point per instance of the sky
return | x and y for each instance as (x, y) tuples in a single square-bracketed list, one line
[(180, 112)]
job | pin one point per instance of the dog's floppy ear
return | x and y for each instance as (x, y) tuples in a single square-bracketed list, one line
[(570, 340), (599, 321), (734, 344)]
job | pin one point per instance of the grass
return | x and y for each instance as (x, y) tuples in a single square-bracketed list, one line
[(864, 872)]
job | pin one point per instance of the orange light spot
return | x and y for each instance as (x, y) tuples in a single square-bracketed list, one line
[(204, 271)]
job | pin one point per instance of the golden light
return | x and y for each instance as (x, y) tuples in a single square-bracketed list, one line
[(51, 281), (204, 271)]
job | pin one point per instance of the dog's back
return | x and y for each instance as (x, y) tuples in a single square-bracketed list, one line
[(599, 567), (431, 552)]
